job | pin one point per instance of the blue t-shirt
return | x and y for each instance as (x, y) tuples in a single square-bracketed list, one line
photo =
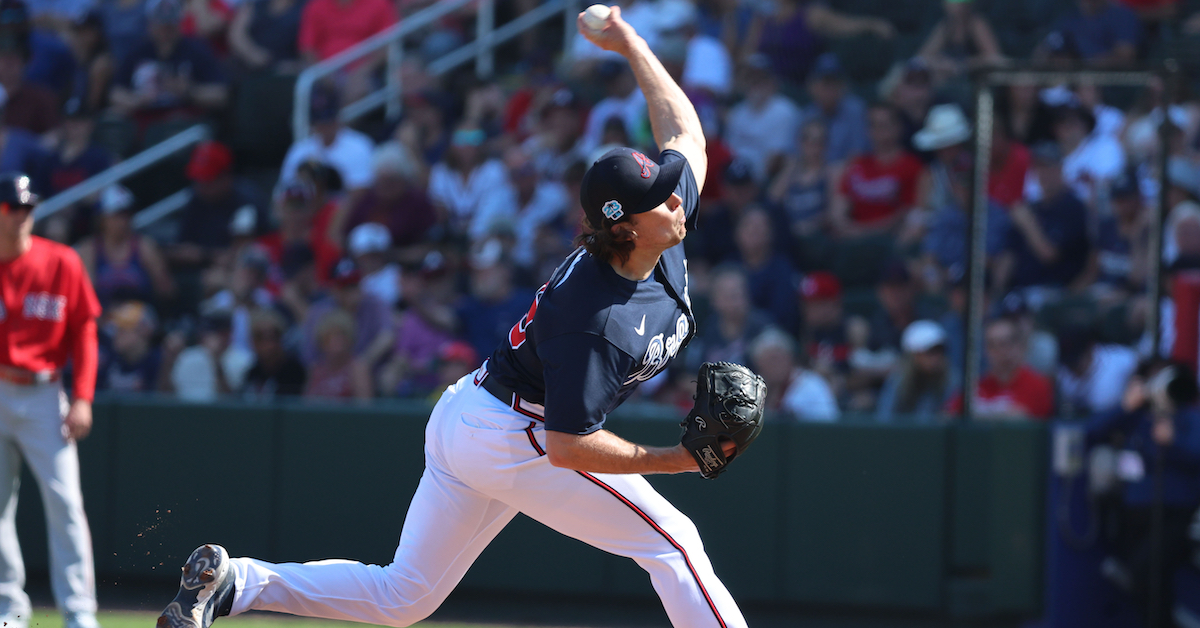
[(1098, 34), (591, 336), (484, 324), (51, 63), (1063, 220)]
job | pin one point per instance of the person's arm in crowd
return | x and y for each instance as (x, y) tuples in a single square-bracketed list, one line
[(156, 267), (673, 119), (126, 101), (779, 185), (100, 75), (240, 42), (986, 44), (1003, 269), (830, 23), (208, 95), (1026, 222)]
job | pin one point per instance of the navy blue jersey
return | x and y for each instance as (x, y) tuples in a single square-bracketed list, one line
[(591, 336)]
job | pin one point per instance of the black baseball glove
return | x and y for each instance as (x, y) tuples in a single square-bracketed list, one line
[(729, 407)]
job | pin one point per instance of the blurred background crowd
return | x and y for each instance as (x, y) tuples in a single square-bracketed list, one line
[(388, 259)]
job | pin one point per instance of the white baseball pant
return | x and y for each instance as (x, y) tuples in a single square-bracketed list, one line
[(31, 427), (485, 463)]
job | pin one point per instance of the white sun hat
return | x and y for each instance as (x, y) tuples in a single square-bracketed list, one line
[(946, 125)]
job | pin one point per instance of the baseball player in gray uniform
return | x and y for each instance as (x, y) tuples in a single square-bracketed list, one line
[(525, 432)]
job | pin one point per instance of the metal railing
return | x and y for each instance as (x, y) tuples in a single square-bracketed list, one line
[(180, 141), (487, 37)]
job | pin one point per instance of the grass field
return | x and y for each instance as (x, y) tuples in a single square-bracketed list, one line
[(49, 618)]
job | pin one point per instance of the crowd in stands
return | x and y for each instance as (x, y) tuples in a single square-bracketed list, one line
[(386, 258)]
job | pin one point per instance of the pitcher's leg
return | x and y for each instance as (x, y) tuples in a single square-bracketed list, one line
[(13, 600), (447, 526)]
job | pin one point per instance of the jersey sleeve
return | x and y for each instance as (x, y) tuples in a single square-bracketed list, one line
[(82, 302), (686, 189), (583, 375)]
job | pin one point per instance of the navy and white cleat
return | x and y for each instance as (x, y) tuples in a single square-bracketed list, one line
[(205, 590)]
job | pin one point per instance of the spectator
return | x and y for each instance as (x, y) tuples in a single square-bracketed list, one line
[(328, 27), (1104, 32), (209, 369), (94, 62), (732, 323), (246, 294), (961, 41), (802, 189), (50, 62), (924, 380), (208, 20), (769, 274), (330, 143), (1091, 160), (877, 189), (264, 33), (336, 373), (843, 113), (1091, 376), (30, 106), (369, 244), (125, 26), (217, 195), (554, 143), (130, 362), (716, 242), (168, 75), (761, 128), (455, 360), (76, 157), (623, 101), (297, 226), (395, 200), (1009, 390), (789, 36), (520, 211), (123, 265), (824, 333), (459, 185), (1122, 241), (1157, 427), (425, 325), (1047, 246), (911, 91), (944, 137), (875, 341), (488, 311), (276, 371), (21, 151), (709, 67), (1181, 235), (374, 332), (300, 287), (1041, 346), (802, 393), (1009, 164)]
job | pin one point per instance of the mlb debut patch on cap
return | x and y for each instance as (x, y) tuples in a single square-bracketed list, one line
[(612, 210)]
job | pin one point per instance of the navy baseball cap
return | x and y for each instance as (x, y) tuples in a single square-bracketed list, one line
[(827, 66), (625, 181)]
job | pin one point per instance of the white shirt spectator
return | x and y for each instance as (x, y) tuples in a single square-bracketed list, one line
[(1097, 159), (758, 135), (1101, 387), (225, 300), (194, 375), (502, 213), (384, 284), (809, 397), (463, 196), (631, 110), (350, 154), (708, 65)]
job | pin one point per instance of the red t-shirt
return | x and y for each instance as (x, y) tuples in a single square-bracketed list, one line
[(219, 41), (328, 27), (876, 190), (45, 299), (1006, 185), (1028, 393)]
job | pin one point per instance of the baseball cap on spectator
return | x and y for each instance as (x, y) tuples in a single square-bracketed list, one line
[(625, 182), (739, 172), (895, 272), (209, 161), (244, 222), (458, 351), (921, 336), (1184, 174), (324, 104), (369, 237), (346, 273), (827, 66), (133, 316), (115, 198), (946, 125), (1060, 45), (820, 286), (296, 257), (487, 255), (164, 11)]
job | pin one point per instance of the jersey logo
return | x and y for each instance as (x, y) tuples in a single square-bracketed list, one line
[(641, 329), (612, 210), (644, 162), (44, 306), (516, 335), (661, 351)]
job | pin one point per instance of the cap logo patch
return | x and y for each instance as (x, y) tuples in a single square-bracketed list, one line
[(612, 210), (644, 162)]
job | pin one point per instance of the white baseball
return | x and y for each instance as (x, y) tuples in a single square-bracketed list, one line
[(596, 17)]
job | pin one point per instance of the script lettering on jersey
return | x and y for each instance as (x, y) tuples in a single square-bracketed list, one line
[(661, 351), (516, 335), (43, 306)]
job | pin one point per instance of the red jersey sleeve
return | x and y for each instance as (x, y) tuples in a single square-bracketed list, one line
[(84, 307)]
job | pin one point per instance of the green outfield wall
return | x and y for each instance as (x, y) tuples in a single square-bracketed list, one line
[(933, 520)]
